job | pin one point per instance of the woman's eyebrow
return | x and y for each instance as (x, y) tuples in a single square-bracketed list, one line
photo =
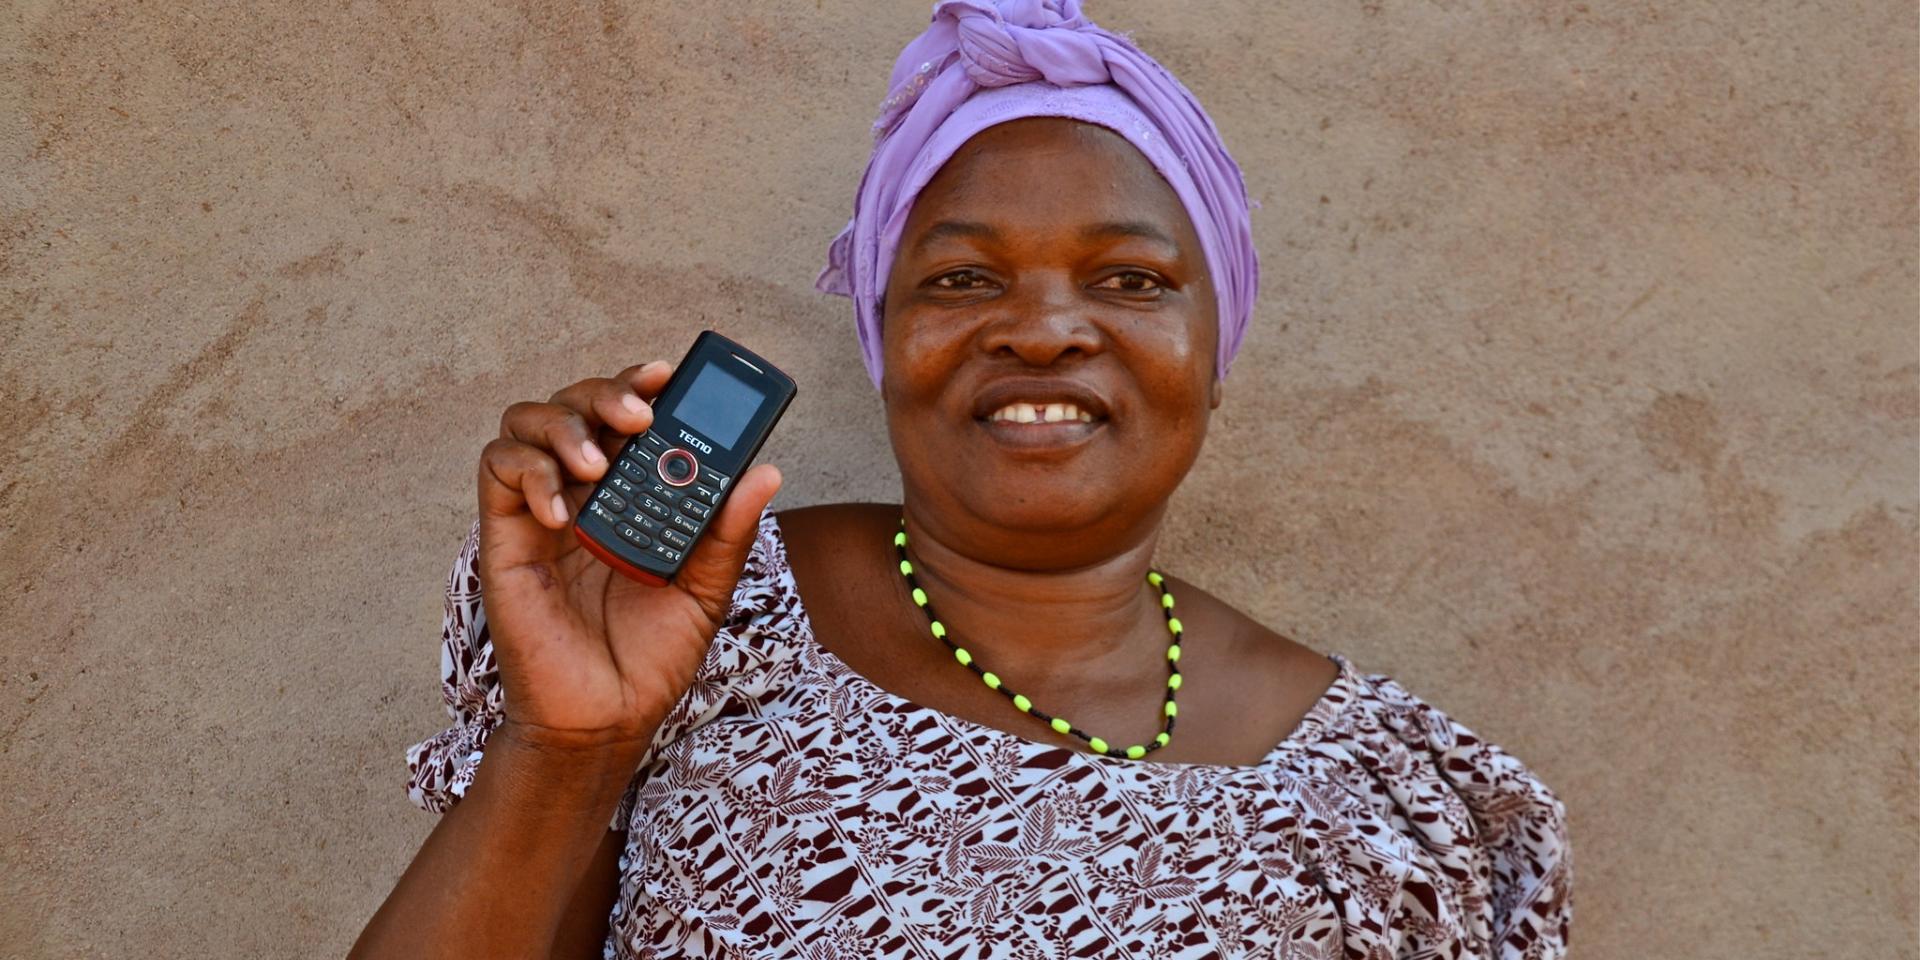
[(954, 228), (1129, 228), (943, 229)]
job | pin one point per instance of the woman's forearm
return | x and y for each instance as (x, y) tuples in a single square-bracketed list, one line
[(495, 875)]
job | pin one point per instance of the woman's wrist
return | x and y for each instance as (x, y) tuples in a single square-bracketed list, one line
[(564, 760), (563, 772)]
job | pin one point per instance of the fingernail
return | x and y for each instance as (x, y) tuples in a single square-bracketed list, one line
[(559, 507), (632, 403), (591, 451)]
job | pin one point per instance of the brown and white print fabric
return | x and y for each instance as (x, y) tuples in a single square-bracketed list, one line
[(789, 807)]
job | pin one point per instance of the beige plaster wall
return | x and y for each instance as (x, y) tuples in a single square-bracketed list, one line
[(1582, 399)]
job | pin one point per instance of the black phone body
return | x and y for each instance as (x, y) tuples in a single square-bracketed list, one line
[(667, 483)]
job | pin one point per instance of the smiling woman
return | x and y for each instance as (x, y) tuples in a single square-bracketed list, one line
[(1048, 263), (981, 721)]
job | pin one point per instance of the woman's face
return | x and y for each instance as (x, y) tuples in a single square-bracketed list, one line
[(1047, 263)]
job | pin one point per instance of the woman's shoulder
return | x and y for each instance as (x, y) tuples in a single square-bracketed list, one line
[(1470, 802), (1278, 680), (1386, 712)]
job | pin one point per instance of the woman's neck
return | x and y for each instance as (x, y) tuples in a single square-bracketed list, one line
[(1061, 604)]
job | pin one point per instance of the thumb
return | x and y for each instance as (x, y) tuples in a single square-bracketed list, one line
[(713, 568)]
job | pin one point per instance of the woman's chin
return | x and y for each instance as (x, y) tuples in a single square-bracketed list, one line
[(1048, 500), (1046, 515)]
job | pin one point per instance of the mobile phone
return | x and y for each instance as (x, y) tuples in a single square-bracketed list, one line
[(667, 483)]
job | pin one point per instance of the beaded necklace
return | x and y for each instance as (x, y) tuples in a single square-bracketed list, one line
[(1059, 724)]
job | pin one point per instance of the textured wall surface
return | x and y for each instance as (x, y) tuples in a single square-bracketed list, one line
[(1583, 398)]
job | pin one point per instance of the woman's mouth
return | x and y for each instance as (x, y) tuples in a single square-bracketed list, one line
[(1041, 425), (1040, 413)]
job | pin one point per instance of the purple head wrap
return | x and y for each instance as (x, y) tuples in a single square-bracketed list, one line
[(984, 62)]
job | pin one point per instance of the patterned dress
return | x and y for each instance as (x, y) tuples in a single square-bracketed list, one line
[(789, 807)]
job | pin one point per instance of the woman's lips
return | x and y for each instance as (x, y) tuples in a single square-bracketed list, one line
[(1041, 435)]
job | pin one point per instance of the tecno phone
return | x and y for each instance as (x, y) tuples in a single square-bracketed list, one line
[(668, 483)]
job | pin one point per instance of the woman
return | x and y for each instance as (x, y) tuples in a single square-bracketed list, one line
[(1078, 755)]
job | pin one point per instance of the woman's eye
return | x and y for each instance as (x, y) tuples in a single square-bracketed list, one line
[(959, 280), (1132, 281)]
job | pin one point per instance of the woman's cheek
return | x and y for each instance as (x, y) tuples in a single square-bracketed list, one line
[(912, 389), (928, 352)]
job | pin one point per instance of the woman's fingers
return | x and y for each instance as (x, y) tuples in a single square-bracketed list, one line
[(516, 476), (643, 382), (647, 379), (559, 430), (548, 454), (584, 420), (616, 402)]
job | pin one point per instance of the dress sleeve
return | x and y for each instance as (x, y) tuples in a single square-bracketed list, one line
[(441, 767), (1520, 824)]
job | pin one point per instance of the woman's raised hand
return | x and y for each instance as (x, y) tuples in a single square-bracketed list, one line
[(587, 657)]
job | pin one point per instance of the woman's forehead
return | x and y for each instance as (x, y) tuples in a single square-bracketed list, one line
[(1051, 170)]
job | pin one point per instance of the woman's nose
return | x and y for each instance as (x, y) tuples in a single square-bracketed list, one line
[(1041, 321)]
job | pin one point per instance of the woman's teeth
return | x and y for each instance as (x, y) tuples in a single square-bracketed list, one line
[(1040, 413)]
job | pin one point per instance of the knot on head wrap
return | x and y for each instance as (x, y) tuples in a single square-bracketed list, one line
[(998, 49), (985, 62)]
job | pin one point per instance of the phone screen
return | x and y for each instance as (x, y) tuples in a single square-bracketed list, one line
[(718, 404)]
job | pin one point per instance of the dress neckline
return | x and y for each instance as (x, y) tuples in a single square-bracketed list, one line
[(1326, 712)]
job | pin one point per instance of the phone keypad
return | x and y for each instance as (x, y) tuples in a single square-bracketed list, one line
[(661, 519), (633, 472)]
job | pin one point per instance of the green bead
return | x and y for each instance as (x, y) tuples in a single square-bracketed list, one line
[(1163, 739), (1173, 709), (1173, 681), (906, 568), (1021, 703), (900, 539), (1136, 751), (1173, 653), (993, 682), (961, 654), (1062, 725), (1166, 600), (939, 629), (1173, 624), (1153, 578), (919, 597), (1098, 745)]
